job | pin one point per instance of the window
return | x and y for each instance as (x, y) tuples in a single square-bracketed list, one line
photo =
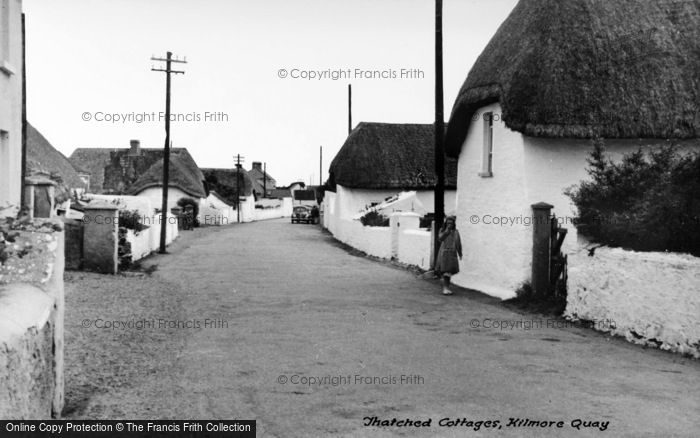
[(487, 154)]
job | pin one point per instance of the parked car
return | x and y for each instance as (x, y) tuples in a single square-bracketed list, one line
[(302, 213)]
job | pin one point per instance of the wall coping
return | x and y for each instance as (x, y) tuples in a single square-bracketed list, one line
[(22, 306)]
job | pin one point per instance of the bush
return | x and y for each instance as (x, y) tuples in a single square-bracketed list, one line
[(374, 219), (130, 219), (646, 202)]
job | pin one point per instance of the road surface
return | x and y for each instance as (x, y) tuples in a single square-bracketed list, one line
[(279, 323)]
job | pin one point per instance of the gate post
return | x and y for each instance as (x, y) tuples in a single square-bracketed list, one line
[(541, 250)]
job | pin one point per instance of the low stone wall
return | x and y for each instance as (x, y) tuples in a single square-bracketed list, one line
[(649, 298), (31, 324)]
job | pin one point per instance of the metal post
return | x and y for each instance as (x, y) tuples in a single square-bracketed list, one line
[(439, 129)]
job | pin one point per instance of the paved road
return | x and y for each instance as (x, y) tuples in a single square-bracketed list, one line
[(297, 305)]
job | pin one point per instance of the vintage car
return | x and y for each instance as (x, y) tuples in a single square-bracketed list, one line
[(302, 213)]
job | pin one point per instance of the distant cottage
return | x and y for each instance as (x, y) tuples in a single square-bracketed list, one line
[(263, 183), (378, 160), (139, 171), (557, 74)]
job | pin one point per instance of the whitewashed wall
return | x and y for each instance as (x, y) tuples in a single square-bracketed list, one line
[(413, 244), (375, 241), (649, 298), (155, 194), (147, 240), (414, 248), (277, 208), (353, 201), (140, 243)]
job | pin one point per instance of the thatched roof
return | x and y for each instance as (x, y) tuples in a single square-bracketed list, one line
[(116, 170), (390, 156), (586, 68), (183, 174), (43, 158), (225, 182)]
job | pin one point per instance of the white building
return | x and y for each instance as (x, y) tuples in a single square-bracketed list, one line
[(523, 121), (379, 160), (11, 74)]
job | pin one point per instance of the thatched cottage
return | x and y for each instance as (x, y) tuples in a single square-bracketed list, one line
[(228, 190), (379, 160), (263, 183), (139, 171), (557, 74)]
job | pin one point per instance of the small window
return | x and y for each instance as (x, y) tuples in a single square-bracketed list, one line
[(487, 155)]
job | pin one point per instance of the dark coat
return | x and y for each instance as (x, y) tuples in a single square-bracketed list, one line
[(450, 248)]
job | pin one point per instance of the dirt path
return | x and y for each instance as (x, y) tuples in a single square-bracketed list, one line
[(286, 303)]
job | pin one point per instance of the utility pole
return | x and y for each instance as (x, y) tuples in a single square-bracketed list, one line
[(166, 149), (265, 180), (349, 108), (320, 166), (439, 130), (239, 160)]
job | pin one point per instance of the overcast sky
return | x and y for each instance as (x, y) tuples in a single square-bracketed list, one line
[(91, 59)]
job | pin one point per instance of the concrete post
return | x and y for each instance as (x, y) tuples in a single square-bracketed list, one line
[(401, 221), (541, 251), (40, 197), (100, 238)]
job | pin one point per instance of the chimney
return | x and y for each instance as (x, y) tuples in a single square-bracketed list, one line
[(135, 148), (257, 165)]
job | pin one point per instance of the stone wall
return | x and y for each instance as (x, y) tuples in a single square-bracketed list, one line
[(31, 324), (649, 298)]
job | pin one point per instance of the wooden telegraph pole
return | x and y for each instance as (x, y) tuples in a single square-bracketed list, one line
[(349, 108), (439, 130), (265, 180), (320, 166), (166, 149), (239, 160)]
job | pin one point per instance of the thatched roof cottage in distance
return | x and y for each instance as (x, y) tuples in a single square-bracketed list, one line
[(379, 160), (556, 74), (139, 171), (261, 180), (223, 186)]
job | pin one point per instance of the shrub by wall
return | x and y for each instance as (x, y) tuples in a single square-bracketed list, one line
[(646, 202)]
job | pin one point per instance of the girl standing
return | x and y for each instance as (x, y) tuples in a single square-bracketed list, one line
[(450, 248)]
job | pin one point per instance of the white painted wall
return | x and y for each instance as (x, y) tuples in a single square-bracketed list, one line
[(642, 296), (352, 201), (155, 194), (275, 209), (149, 238), (11, 109), (526, 170)]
